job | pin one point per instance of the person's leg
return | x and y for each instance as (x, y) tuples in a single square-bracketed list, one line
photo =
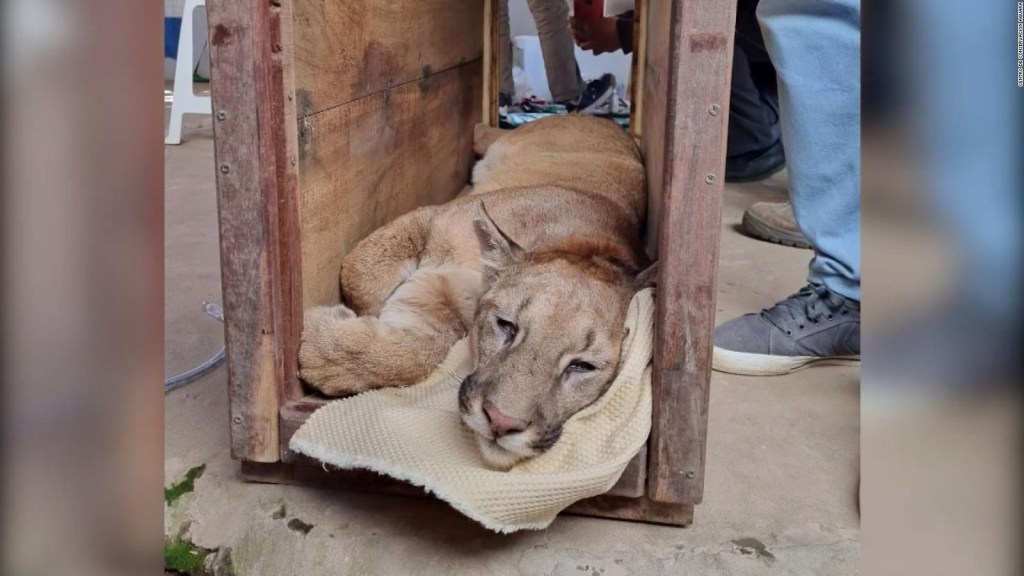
[(556, 44), (753, 103), (751, 129), (505, 50), (815, 47)]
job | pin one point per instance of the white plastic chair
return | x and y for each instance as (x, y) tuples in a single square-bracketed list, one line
[(185, 100)]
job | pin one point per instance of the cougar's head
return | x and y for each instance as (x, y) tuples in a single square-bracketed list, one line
[(547, 338)]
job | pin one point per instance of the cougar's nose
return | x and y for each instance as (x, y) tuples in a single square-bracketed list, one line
[(502, 425)]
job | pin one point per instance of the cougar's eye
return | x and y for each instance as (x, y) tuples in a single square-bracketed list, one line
[(580, 366), (508, 328)]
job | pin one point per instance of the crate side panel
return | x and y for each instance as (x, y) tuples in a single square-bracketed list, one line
[(347, 50), (367, 162)]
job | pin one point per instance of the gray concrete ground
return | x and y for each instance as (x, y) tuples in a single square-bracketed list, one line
[(782, 463)]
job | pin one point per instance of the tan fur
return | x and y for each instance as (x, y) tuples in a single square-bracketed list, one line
[(550, 231)]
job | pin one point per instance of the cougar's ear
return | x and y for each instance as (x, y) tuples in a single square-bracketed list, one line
[(496, 249), (646, 278)]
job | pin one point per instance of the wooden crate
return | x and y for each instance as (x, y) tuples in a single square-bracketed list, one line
[(333, 118)]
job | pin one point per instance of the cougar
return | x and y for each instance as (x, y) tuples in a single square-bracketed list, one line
[(536, 265)]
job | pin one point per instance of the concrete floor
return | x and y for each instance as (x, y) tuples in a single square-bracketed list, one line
[(782, 463)]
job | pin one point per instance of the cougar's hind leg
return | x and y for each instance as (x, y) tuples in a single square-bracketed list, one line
[(382, 261), (412, 334)]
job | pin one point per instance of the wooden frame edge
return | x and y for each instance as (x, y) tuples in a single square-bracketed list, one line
[(640, 509), (700, 53), (247, 105)]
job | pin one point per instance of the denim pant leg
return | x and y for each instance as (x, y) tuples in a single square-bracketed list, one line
[(815, 47)]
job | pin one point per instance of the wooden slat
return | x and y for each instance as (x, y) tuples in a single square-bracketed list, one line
[(293, 415), (316, 477), (351, 49), (633, 482), (248, 135), (699, 50), (634, 509), (605, 506), (490, 70), (290, 263), (367, 162), (654, 110), (493, 56), (637, 69)]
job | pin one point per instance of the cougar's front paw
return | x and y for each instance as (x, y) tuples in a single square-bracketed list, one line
[(323, 361)]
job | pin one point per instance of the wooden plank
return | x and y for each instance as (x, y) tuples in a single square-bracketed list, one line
[(490, 70), (367, 162), (606, 506), (348, 50), (700, 42), (294, 414), (637, 68), (290, 262), (247, 140), (635, 509), (315, 476), (633, 482), (493, 79), (654, 116)]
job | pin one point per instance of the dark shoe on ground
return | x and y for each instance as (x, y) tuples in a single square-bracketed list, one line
[(756, 165), (812, 326), (774, 222), (596, 94)]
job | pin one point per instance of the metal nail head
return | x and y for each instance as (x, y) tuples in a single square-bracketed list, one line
[(224, 168), (222, 115), (691, 474), (237, 419), (709, 179), (714, 109)]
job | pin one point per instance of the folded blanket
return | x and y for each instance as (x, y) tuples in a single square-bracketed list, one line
[(415, 434)]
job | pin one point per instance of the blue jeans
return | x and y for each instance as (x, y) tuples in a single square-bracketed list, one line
[(815, 47)]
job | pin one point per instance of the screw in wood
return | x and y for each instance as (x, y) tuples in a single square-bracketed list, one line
[(709, 179), (237, 419), (222, 115), (293, 160), (690, 474), (714, 109), (291, 96), (224, 168)]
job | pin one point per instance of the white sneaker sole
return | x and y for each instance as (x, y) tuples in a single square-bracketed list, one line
[(747, 364), (597, 103)]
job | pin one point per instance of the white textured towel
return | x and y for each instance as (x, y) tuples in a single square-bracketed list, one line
[(415, 434)]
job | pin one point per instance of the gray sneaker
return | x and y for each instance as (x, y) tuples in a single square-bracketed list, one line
[(811, 326)]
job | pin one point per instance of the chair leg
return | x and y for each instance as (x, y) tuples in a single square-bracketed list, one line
[(185, 101)]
